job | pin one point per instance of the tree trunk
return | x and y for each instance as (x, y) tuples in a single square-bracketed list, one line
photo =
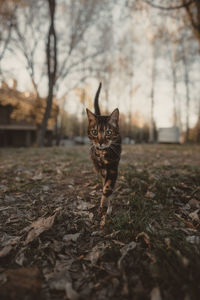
[(51, 53), (198, 127), (193, 12), (174, 77), (186, 79), (174, 97), (153, 77)]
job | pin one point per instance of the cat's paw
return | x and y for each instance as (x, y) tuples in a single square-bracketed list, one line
[(109, 210), (103, 202), (103, 221)]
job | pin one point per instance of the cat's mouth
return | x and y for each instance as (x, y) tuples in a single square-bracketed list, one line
[(102, 147)]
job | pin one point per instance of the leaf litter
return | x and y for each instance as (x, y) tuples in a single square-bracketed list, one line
[(51, 239), (39, 226)]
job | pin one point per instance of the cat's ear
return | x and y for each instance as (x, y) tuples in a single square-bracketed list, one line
[(91, 116), (114, 118)]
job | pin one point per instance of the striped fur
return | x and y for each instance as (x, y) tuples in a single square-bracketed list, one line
[(103, 131)]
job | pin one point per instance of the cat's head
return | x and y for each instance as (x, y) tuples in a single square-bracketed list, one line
[(103, 130)]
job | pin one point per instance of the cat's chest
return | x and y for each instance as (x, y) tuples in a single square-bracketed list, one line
[(101, 156)]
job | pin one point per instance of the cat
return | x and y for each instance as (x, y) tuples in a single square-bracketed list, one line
[(103, 132)]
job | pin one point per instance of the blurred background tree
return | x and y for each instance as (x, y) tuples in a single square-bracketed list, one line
[(145, 52)]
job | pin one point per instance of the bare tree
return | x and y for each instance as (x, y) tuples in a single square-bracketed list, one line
[(193, 12), (174, 81), (173, 52), (154, 39), (153, 80), (186, 81), (27, 40), (68, 51), (7, 15), (106, 71), (51, 56), (198, 127), (192, 8)]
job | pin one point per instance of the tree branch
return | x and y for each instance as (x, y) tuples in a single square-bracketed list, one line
[(195, 25), (9, 32), (169, 7)]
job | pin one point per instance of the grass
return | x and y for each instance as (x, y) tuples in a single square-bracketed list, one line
[(163, 257), (150, 207)]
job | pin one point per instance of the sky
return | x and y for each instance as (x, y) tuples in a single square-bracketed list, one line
[(119, 95)]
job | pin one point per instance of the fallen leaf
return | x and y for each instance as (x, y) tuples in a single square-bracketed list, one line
[(150, 195), (64, 262), (45, 188), (59, 280), (96, 252), (3, 188), (87, 184), (58, 171), (126, 191), (113, 234), (194, 215), (92, 193), (193, 239), (20, 258), (155, 294), (37, 177), (9, 198), (166, 163), (118, 242), (8, 240), (39, 226), (128, 247), (151, 257), (124, 251), (5, 208), (167, 242), (83, 205), (145, 237), (5, 251), (185, 261), (71, 237), (84, 213), (97, 233), (194, 203), (95, 186), (70, 292)]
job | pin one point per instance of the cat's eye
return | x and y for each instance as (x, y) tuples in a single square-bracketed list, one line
[(94, 132), (108, 132)]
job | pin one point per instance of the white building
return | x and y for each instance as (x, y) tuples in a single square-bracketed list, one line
[(169, 135)]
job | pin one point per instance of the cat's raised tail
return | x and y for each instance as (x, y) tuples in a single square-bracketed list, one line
[(96, 101)]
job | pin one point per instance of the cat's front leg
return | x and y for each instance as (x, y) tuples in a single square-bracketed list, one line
[(108, 186), (103, 175)]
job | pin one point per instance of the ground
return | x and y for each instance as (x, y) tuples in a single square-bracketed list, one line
[(51, 243)]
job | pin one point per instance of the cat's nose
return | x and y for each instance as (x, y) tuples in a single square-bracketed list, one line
[(101, 142)]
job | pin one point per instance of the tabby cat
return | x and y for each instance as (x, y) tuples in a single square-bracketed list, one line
[(103, 131)]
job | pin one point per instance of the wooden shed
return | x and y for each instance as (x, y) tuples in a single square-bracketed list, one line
[(20, 115)]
